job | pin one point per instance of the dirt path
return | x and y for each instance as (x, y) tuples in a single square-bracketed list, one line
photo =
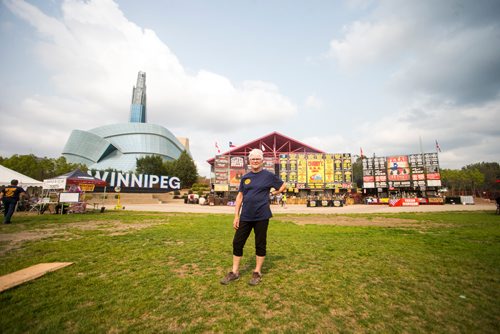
[(348, 221), (179, 206)]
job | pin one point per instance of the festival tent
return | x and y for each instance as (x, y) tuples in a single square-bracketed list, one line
[(77, 178), (7, 175)]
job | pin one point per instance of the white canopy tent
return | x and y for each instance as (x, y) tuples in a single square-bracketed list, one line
[(7, 175)]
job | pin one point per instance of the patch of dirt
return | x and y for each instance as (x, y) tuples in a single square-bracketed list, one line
[(10, 241), (185, 270), (349, 221)]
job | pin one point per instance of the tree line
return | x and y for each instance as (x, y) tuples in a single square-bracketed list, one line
[(479, 179), (45, 168), (39, 168)]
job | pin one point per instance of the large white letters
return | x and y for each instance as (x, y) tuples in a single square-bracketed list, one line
[(128, 180)]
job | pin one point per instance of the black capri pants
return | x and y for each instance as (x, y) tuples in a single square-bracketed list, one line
[(243, 232)]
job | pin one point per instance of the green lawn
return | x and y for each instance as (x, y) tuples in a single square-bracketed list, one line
[(155, 272)]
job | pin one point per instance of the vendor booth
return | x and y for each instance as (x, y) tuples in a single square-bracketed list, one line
[(66, 193)]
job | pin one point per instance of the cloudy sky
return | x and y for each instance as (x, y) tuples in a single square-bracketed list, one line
[(338, 75)]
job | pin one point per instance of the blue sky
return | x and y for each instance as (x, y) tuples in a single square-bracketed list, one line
[(337, 75)]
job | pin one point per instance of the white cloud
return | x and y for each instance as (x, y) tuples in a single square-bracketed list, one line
[(427, 47), (458, 68), (442, 59), (331, 143), (313, 102), (368, 42), (465, 133), (94, 53)]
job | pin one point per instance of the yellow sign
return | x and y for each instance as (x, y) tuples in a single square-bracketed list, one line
[(328, 168), (315, 171), (302, 169), (221, 187), (87, 187)]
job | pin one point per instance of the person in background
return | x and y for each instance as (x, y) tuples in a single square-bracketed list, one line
[(10, 195), (283, 200), (252, 212)]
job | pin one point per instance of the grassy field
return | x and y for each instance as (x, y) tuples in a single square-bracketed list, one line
[(154, 272)]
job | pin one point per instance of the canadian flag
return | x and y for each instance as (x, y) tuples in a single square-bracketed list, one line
[(217, 147)]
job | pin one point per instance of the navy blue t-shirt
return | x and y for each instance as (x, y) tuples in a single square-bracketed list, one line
[(12, 193), (255, 188)]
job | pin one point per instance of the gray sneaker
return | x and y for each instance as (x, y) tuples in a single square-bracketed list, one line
[(256, 278), (229, 278)]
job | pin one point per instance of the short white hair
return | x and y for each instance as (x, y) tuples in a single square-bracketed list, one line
[(256, 153)]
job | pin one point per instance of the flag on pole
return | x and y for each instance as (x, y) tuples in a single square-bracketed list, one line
[(217, 147), (438, 149), (361, 151), (231, 144)]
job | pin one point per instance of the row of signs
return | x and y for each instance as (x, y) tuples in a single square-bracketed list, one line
[(414, 170), (298, 170), (316, 170), (230, 169)]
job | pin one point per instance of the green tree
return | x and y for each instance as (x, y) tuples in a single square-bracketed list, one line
[(475, 180), (151, 164), (170, 167), (61, 166), (462, 182), (185, 169), (491, 172), (357, 172), (40, 168), (451, 180), (24, 164)]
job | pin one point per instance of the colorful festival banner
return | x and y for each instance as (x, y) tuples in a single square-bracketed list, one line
[(235, 176), (398, 168), (315, 171), (414, 170)]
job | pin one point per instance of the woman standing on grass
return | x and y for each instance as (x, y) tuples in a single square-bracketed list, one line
[(252, 211)]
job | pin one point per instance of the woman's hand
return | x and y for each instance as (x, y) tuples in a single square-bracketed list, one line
[(236, 223)]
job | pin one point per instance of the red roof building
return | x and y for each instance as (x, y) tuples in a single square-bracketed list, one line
[(272, 145)]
